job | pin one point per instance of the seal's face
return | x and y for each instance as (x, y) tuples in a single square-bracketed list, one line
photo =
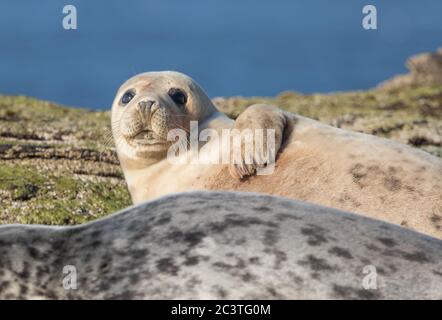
[(151, 104)]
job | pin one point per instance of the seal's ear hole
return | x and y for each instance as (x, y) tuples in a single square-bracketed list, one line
[(178, 96), (127, 97)]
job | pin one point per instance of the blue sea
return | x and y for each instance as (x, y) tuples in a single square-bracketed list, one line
[(231, 47)]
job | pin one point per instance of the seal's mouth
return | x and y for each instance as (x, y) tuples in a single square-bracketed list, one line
[(146, 138)]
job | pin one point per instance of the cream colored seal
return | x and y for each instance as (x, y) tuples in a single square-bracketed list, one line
[(316, 162)]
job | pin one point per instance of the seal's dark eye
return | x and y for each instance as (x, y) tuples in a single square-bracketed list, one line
[(127, 96), (178, 96)]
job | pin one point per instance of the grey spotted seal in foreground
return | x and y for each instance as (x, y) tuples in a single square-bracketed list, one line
[(317, 163), (204, 245)]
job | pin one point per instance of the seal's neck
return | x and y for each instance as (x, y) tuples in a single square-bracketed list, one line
[(217, 120), (136, 163)]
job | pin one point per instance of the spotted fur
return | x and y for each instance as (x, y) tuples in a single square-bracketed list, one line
[(206, 245)]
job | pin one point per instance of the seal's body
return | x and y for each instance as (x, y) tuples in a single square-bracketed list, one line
[(352, 171), (316, 163), (206, 245)]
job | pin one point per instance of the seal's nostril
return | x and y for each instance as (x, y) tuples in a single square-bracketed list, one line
[(146, 104)]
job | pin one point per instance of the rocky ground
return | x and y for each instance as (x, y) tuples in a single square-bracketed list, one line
[(58, 166)]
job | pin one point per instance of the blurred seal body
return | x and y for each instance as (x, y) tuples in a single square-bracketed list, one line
[(206, 245)]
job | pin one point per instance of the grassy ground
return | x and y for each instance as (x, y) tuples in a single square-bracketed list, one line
[(409, 115), (57, 165)]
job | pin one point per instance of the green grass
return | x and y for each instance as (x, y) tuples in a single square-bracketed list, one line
[(410, 102), (47, 198)]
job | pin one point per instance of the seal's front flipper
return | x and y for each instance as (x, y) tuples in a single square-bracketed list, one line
[(257, 137)]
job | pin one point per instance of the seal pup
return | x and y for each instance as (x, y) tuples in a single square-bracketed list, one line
[(147, 108), (205, 245), (317, 163)]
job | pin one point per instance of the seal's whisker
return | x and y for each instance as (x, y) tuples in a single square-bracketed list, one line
[(183, 128), (108, 142)]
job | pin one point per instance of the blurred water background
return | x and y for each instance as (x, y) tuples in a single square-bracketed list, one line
[(231, 47)]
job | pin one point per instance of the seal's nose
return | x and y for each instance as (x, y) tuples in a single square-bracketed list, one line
[(145, 105)]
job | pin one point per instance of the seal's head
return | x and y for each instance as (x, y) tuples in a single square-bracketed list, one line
[(148, 106)]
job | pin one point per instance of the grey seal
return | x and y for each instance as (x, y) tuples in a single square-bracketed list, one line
[(221, 245)]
